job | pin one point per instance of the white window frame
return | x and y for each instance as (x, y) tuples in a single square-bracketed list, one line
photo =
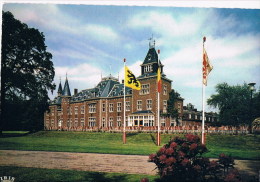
[(92, 121), (82, 109), (145, 89), (139, 105), (92, 108), (111, 107), (149, 103), (119, 106), (164, 106)]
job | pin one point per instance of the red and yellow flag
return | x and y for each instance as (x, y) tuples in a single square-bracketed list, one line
[(159, 80), (206, 66)]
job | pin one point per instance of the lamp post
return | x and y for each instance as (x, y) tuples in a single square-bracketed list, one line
[(251, 88)]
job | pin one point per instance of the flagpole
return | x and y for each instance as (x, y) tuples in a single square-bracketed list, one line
[(124, 133), (203, 99), (158, 112)]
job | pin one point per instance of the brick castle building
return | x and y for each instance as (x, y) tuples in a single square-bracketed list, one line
[(102, 107)]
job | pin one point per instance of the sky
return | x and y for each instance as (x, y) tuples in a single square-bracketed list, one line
[(91, 41)]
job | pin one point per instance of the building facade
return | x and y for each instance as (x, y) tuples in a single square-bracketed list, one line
[(103, 106)]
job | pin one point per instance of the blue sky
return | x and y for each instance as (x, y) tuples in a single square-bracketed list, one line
[(87, 40)]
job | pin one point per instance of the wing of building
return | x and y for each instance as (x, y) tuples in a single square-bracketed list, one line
[(102, 107)]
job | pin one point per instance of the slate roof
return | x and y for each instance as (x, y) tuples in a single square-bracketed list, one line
[(143, 112), (151, 57), (118, 90), (66, 89), (103, 89), (60, 89)]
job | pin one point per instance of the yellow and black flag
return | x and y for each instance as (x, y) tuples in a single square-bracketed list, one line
[(130, 80)]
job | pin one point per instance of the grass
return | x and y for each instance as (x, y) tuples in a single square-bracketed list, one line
[(42, 175), (239, 146)]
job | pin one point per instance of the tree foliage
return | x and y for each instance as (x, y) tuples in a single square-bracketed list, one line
[(171, 110), (27, 74), (235, 104)]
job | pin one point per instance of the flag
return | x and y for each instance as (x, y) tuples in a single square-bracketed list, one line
[(130, 80), (159, 80), (206, 67)]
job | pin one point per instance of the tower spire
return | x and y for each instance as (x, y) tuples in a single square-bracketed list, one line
[(66, 89), (60, 88)]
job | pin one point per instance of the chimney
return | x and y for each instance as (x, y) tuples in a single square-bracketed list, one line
[(75, 91)]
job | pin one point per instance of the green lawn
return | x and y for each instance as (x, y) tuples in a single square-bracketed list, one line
[(42, 175), (239, 146)]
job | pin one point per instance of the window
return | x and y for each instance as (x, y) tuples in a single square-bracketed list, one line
[(118, 118), (149, 104), (76, 109), (111, 107), (76, 122), (139, 105), (52, 122), (148, 68), (145, 89), (119, 106), (173, 121), (82, 122), (91, 121), (111, 122), (162, 121), (103, 107), (82, 109), (164, 89), (68, 123), (165, 106), (92, 108), (127, 105), (179, 107), (103, 122), (70, 108), (52, 111)]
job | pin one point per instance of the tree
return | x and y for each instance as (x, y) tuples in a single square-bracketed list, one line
[(26, 76), (233, 103), (171, 110)]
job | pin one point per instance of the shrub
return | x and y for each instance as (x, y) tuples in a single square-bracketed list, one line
[(181, 160)]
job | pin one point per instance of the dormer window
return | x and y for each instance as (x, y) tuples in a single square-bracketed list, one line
[(148, 68)]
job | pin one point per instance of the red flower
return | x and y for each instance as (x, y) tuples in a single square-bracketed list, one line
[(162, 158), (162, 150), (144, 180), (173, 145), (170, 161), (181, 154), (169, 151), (152, 157), (185, 162), (197, 168), (193, 146)]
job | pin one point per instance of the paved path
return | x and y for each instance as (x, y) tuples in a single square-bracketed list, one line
[(132, 164)]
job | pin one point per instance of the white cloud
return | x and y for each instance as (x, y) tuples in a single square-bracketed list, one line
[(82, 76), (101, 33)]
